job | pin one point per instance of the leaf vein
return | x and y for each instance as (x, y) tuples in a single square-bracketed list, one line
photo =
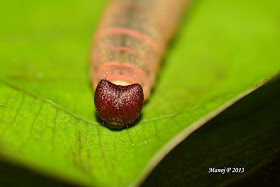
[(48, 101)]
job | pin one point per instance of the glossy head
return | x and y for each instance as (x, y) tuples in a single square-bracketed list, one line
[(118, 106)]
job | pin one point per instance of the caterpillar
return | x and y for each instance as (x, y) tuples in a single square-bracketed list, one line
[(128, 46)]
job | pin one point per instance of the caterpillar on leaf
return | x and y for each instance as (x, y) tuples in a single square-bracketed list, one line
[(129, 44)]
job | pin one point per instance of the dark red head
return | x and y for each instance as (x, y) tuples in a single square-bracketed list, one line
[(118, 106)]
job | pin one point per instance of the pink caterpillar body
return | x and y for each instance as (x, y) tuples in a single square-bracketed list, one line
[(128, 46)]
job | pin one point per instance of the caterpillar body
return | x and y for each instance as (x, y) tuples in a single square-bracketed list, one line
[(125, 58)]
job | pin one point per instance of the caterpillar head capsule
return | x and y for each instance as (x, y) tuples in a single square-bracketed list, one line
[(116, 105)]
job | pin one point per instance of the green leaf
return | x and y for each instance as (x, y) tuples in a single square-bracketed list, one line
[(223, 51)]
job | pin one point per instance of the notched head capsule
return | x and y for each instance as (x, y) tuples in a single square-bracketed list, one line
[(118, 106)]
